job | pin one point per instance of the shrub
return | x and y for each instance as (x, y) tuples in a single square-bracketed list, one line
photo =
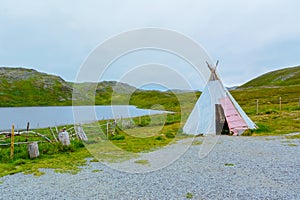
[(271, 112), (159, 138), (262, 129), (144, 121), (247, 132), (20, 161), (173, 118), (189, 195), (77, 143), (170, 135), (118, 137), (142, 162)]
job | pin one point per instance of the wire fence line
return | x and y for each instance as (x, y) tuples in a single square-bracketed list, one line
[(277, 104)]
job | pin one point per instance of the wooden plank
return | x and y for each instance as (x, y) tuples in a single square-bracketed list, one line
[(80, 133), (53, 134), (17, 143)]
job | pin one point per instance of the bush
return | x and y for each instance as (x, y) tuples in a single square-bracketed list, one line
[(77, 143), (296, 108), (189, 195), (271, 112), (262, 129), (173, 118), (144, 121), (247, 132), (170, 135), (20, 161), (159, 138), (118, 137)]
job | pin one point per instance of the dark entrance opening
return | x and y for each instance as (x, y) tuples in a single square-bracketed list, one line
[(221, 122)]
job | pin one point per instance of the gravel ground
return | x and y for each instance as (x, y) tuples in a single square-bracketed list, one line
[(236, 168)]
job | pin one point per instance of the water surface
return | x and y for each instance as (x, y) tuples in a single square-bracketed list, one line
[(40, 117)]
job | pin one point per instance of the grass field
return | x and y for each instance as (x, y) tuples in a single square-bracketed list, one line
[(283, 77), (152, 132), (272, 118), (116, 145), (54, 156)]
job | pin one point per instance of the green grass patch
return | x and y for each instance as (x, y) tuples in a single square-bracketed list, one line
[(133, 140), (142, 162), (118, 137), (189, 195), (94, 160), (229, 164), (268, 139), (97, 170), (197, 142), (136, 145), (292, 145), (169, 134), (53, 156), (262, 128), (293, 136), (270, 119), (160, 137)]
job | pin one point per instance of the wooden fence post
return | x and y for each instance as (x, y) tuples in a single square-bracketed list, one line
[(107, 129), (12, 140), (27, 129), (80, 133), (33, 150), (280, 103), (53, 134), (64, 138), (257, 106)]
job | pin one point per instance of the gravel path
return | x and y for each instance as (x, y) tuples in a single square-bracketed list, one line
[(236, 168)]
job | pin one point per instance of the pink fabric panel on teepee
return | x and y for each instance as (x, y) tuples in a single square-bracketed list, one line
[(235, 122)]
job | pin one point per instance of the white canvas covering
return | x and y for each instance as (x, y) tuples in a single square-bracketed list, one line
[(203, 119)]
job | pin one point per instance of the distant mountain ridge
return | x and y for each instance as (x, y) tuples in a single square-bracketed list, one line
[(28, 87), (283, 77)]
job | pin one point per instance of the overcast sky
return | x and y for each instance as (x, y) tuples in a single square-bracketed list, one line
[(248, 37)]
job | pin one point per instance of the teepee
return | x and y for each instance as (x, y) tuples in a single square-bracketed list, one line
[(216, 111)]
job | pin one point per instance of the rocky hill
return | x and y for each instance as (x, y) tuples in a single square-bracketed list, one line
[(28, 87), (282, 77)]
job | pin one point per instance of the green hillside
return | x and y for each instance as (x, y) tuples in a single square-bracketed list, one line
[(282, 77), (28, 87), (272, 101)]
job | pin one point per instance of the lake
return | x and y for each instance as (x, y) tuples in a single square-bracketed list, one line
[(41, 117)]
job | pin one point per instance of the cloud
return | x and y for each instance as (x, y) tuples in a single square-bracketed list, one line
[(56, 36)]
